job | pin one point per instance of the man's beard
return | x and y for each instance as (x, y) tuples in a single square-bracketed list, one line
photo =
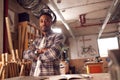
[(46, 29)]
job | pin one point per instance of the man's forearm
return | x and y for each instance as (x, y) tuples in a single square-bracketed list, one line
[(41, 51)]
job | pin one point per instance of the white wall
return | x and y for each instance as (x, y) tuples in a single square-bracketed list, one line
[(1, 25), (76, 46)]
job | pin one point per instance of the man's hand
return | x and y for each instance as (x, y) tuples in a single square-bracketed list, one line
[(41, 51)]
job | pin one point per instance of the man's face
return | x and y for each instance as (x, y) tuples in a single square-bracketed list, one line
[(45, 23)]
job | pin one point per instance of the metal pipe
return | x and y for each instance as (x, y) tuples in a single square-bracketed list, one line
[(62, 18), (112, 8), (104, 25), (95, 24)]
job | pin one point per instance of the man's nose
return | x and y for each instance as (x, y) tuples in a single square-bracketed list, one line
[(44, 22)]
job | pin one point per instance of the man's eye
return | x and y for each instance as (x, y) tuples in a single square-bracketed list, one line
[(41, 21), (45, 21)]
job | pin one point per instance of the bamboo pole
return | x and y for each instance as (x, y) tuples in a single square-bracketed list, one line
[(17, 55), (3, 69), (25, 39), (22, 70), (19, 40), (3, 59), (6, 64), (10, 39), (22, 36), (6, 58)]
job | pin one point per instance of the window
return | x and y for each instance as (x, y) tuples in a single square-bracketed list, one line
[(106, 44)]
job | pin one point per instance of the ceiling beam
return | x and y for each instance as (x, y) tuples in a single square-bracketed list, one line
[(110, 12), (62, 18)]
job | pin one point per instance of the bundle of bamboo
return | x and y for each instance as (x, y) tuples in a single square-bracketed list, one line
[(16, 65), (8, 68)]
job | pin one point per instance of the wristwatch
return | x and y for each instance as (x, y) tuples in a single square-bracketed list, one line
[(36, 53)]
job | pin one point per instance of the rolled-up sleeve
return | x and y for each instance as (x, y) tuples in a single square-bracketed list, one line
[(54, 51)]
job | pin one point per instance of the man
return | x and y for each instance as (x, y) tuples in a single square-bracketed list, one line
[(45, 50)]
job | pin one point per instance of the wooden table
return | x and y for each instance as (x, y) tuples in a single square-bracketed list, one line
[(96, 76), (100, 76)]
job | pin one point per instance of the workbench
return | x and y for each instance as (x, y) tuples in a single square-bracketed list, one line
[(96, 76)]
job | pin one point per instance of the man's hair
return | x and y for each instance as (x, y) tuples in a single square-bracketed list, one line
[(45, 14)]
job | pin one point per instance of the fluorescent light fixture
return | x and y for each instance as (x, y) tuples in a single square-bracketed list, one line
[(57, 30)]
